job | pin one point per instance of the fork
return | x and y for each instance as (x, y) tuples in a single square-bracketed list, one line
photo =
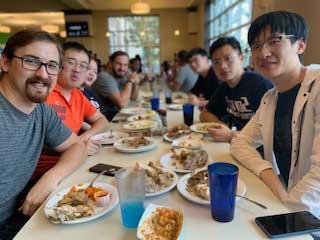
[(252, 201), (96, 177)]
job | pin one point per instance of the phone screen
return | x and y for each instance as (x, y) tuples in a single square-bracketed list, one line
[(288, 224), (110, 169)]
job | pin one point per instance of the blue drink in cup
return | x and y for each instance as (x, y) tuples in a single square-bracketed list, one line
[(188, 114), (131, 189), (155, 103), (223, 179)]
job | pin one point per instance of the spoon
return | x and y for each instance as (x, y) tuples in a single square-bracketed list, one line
[(91, 183), (250, 200)]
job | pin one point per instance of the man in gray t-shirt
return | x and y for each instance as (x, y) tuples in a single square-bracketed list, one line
[(116, 87), (30, 64)]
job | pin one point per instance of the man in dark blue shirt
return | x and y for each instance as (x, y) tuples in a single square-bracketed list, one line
[(238, 98)]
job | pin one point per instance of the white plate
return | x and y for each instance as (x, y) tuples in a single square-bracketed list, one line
[(166, 189), (195, 127), (106, 138), (98, 211), (191, 141), (122, 148), (140, 125), (166, 138), (147, 213), (167, 162), (182, 185), (177, 107), (143, 116), (179, 97), (132, 111)]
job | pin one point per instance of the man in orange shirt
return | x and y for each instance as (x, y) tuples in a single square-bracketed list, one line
[(71, 105)]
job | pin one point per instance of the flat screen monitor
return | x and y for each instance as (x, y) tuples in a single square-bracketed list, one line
[(77, 29)]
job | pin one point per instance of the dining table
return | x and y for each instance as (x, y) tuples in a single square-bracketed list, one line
[(197, 222)]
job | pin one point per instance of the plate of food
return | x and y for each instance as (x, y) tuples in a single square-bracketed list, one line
[(109, 137), (192, 141), (203, 127), (176, 107), (176, 132), (179, 97), (195, 187), (160, 222), (135, 144), (144, 116), (184, 160), (133, 110), (140, 125), (81, 203), (159, 180)]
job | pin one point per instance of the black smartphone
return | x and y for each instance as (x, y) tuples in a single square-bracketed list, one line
[(110, 169), (288, 224)]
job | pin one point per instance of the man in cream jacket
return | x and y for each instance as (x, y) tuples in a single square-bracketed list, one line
[(287, 122)]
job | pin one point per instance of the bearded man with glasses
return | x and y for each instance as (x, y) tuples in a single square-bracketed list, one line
[(287, 122), (30, 64), (71, 105)]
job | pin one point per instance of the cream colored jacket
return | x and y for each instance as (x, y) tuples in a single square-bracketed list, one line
[(304, 178)]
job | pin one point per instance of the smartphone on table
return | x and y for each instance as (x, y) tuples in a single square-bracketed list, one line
[(289, 224), (110, 169)]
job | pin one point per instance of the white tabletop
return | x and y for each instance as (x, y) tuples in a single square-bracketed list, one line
[(198, 223)]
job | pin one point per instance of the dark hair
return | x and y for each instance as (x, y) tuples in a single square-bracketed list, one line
[(166, 66), (220, 42), (197, 51), (281, 22), (76, 46), (28, 36), (183, 56), (117, 54)]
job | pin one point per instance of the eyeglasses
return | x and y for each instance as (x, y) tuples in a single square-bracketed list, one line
[(34, 64), (72, 63), (271, 43)]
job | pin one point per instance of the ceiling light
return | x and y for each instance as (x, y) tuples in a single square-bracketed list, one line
[(50, 28), (108, 34), (140, 8), (5, 29), (63, 34), (177, 32)]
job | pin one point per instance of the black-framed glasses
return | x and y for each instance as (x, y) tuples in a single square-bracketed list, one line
[(34, 64), (271, 43), (72, 63)]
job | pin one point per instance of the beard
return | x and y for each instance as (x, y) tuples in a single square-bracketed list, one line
[(37, 89), (119, 74)]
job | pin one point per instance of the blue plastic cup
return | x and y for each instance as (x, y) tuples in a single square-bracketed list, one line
[(155, 103), (223, 179), (188, 114)]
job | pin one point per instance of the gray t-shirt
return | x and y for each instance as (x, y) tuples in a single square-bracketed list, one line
[(186, 77), (22, 137), (107, 84)]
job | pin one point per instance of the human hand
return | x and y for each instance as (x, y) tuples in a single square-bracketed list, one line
[(92, 147), (220, 133), (193, 99), (38, 193), (134, 78)]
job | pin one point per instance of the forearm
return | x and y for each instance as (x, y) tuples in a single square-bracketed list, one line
[(135, 92), (96, 127), (125, 95), (273, 182), (207, 116)]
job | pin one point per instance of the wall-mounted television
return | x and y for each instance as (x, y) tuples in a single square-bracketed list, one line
[(77, 29)]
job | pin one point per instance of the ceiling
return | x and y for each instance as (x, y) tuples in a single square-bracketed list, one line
[(20, 14)]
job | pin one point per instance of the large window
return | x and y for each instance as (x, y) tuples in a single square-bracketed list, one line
[(136, 35), (228, 18)]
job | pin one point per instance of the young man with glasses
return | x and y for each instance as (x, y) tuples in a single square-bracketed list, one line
[(71, 105), (287, 122), (30, 64), (238, 98)]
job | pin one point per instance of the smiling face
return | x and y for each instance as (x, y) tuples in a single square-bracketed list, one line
[(120, 66), (75, 68), (32, 86), (277, 56), (227, 64), (92, 73)]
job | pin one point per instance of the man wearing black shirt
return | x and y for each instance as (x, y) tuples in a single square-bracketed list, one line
[(238, 98), (207, 82)]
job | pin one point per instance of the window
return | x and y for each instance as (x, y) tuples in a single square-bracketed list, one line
[(228, 18), (136, 35)]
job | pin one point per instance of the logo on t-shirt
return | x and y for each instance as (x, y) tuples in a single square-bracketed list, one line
[(239, 108)]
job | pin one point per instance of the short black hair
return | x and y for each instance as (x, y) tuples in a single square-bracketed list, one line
[(281, 22), (117, 54), (197, 51), (220, 42), (183, 56), (76, 46)]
